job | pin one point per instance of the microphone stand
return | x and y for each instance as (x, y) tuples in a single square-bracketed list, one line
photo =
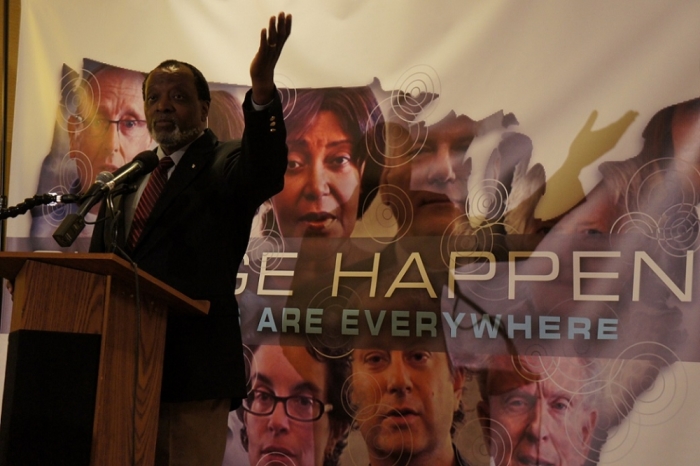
[(39, 199)]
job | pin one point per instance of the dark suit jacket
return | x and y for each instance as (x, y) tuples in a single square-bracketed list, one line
[(194, 240)]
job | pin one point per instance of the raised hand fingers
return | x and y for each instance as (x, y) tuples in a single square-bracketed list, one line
[(272, 39), (277, 31)]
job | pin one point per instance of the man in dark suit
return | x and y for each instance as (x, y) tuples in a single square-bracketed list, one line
[(195, 236)]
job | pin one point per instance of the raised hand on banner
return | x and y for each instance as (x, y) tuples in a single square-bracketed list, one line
[(262, 69), (564, 189)]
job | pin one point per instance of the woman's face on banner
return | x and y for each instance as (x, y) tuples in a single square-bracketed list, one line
[(276, 438), (322, 183)]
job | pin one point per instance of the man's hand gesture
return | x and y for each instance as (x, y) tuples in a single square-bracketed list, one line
[(262, 69)]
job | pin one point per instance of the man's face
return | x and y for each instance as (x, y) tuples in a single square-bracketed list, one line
[(275, 438), (174, 113), (404, 401), (533, 414), (429, 167), (112, 128)]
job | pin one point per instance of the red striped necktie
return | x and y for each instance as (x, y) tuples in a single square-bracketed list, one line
[(148, 199)]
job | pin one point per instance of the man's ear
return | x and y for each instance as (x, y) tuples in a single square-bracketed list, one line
[(205, 110), (588, 427)]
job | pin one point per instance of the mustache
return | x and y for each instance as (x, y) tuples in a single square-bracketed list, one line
[(163, 118)]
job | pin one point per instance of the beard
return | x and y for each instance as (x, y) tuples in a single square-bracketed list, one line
[(174, 138)]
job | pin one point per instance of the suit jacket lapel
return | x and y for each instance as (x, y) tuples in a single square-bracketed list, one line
[(194, 160)]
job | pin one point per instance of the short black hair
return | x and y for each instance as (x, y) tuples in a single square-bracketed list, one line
[(200, 82)]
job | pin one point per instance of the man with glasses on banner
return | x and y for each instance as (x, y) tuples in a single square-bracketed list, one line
[(105, 131), (188, 224), (294, 414)]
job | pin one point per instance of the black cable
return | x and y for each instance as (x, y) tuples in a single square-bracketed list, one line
[(137, 349), (114, 247)]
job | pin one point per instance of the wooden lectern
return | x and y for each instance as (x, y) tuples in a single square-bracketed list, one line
[(85, 360)]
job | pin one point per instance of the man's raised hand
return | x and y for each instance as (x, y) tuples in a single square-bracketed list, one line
[(262, 69)]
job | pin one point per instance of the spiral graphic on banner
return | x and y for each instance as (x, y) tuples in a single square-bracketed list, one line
[(82, 164), (678, 230), (287, 92), (660, 200), (270, 242), (458, 236), (370, 390), (533, 351), (395, 143), (499, 444), (394, 213), (461, 236), (535, 367), (644, 388), (76, 93), (665, 391), (636, 222), (330, 342), (615, 439), (54, 213), (476, 446), (654, 188), (488, 202), (414, 91), (272, 459)]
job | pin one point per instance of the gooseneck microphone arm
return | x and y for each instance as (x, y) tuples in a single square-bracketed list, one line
[(73, 224), (39, 199)]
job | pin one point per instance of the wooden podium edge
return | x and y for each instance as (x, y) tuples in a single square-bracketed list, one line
[(105, 264)]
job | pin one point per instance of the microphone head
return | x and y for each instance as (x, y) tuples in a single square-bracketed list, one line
[(148, 160), (104, 177)]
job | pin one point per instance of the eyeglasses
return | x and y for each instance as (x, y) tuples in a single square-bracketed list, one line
[(129, 128), (297, 407)]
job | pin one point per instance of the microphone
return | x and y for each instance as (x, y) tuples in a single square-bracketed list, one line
[(101, 179), (143, 163), (73, 224)]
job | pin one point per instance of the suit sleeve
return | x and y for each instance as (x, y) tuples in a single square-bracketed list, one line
[(257, 172)]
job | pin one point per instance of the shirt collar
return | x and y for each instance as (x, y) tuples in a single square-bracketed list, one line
[(177, 155)]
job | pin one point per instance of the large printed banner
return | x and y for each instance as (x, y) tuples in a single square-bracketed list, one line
[(485, 249)]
